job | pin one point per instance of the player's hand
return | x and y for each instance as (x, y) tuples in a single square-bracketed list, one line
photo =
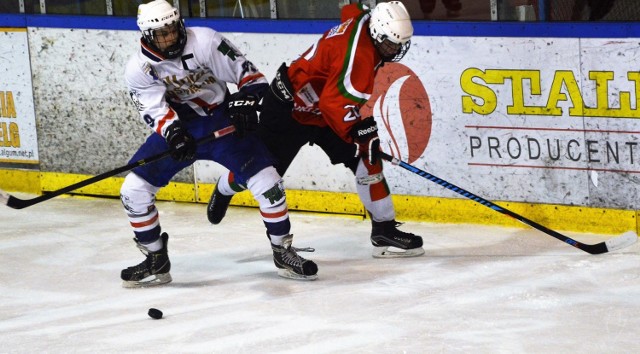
[(183, 144), (365, 138), (243, 112)]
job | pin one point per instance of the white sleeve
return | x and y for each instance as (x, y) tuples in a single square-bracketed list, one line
[(148, 95), (228, 63)]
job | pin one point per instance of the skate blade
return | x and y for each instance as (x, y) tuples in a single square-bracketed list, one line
[(394, 252), (286, 273), (152, 280)]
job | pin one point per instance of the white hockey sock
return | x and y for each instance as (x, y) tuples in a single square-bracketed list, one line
[(154, 246), (227, 186), (277, 240)]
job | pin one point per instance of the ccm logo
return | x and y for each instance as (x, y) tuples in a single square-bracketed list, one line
[(241, 103), (369, 130)]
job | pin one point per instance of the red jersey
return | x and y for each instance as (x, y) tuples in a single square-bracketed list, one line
[(334, 78)]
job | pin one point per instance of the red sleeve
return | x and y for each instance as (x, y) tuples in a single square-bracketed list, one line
[(348, 87), (351, 11)]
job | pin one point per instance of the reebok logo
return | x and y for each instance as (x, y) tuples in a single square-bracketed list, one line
[(363, 132)]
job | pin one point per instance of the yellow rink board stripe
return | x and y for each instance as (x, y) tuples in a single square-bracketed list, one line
[(26, 181), (408, 208), (13, 29)]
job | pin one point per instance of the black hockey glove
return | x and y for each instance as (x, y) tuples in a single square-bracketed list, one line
[(243, 112), (179, 139), (365, 138)]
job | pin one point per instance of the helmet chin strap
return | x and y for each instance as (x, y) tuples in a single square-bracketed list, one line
[(173, 51)]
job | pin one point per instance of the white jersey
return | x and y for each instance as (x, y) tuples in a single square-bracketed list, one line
[(198, 78)]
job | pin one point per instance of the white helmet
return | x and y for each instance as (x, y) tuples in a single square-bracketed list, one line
[(156, 15), (390, 22)]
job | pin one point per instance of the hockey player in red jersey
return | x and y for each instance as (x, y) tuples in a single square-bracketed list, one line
[(178, 82), (317, 100)]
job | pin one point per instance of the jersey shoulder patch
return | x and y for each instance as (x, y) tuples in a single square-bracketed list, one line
[(339, 29), (147, 69)]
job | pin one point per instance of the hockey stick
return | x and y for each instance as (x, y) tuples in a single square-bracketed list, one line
[(17, 203), (616, 243)]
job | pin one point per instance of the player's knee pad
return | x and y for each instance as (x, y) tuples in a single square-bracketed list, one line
[(368, 174), (370, 179), (267, 188), (138, 198), (137, 195), (370, 183)]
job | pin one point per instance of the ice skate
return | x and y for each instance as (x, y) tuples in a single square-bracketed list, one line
[(154, 270), (217, 207), (389, 242), (290, 264)]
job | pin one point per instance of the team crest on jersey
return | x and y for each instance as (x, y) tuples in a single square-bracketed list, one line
[(191, 84), (339, 29)]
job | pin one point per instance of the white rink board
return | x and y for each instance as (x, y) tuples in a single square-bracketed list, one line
[(510, 119)]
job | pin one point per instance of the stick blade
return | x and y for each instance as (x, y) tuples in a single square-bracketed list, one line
[(626, 239), (11, 201)]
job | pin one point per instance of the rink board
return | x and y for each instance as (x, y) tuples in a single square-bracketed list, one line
[(521, 117)]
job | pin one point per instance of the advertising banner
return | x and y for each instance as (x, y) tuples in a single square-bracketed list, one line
[(521, 119), (18, 138)]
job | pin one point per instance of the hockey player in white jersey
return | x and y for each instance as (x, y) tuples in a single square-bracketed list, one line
[(178, 82)]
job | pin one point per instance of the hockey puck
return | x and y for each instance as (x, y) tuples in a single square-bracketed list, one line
[(155, 313)]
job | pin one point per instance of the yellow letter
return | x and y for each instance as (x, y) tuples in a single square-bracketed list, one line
[(11, 106), (635, 77), (517, 77), (602, 79), (14, 131), (477, 90), (3, 106), (555, 94)]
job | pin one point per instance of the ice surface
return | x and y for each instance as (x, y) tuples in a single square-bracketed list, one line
[(478, 289)]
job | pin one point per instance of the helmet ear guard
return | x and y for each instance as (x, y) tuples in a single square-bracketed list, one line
[(156, 15), (391, 30)]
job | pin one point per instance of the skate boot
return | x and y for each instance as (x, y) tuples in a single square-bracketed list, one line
[(217, 207), (290, 264), (389, 242), (152, 271)]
